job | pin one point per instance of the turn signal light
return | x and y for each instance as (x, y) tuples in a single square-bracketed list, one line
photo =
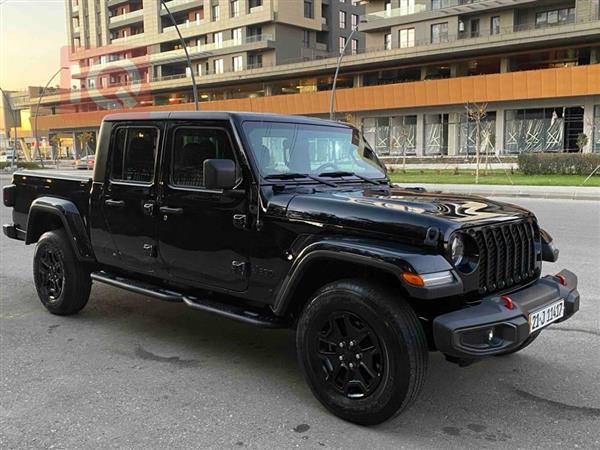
[(413, 278), (508, 303), (561, 279)]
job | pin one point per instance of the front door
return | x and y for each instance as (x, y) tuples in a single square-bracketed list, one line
[(129, 196), (200, 241)]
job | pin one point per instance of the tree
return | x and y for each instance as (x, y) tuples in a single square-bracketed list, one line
[(477, 112), (581, 142), (83, 139)]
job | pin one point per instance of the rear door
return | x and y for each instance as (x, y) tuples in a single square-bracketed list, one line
[(200, 243), (129, 195)]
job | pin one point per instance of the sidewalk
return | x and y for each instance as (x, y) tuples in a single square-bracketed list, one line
[(547, 192)]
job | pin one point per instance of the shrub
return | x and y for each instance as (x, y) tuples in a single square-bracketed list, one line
[(559, 163), (21, 165)]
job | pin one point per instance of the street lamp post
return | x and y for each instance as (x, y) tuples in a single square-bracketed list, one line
[(337, 69), (37, 110), (187, 55)]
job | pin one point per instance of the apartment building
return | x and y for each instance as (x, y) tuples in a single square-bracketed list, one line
[(221, 36), (408, 81)]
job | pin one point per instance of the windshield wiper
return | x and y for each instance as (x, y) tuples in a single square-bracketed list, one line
[(292, 175), (341, 173)]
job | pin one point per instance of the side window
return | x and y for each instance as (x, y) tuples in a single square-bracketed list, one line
[(193, 146), (133, 154)]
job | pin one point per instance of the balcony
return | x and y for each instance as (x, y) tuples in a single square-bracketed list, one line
[(174, 3), (212, 48), (127, 16), (184, 25), (431, 10), (126, 39), (256, 9)]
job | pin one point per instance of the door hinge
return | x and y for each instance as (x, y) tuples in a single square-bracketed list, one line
[(149, 209), (240, 221), (150, 250), (240, 268)]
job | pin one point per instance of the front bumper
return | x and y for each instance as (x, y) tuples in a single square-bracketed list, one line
[(465, 333)]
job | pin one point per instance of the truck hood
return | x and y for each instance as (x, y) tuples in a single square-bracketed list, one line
[(405, 213)]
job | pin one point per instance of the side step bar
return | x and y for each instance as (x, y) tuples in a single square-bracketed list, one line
[(139, 287), (259, 318)]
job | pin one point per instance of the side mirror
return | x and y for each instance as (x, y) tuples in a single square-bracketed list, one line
[(219, 174)]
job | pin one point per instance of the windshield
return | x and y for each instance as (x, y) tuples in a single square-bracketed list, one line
[(317, 150)]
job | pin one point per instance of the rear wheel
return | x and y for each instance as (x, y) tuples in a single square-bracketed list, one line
[(362, 351), (63, 283)]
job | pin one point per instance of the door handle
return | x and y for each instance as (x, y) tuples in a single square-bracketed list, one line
[(114, 203), (169, 210)]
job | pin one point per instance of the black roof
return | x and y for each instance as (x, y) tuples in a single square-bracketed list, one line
[(218, 115)]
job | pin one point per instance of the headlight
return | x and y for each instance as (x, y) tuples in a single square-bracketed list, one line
[(457, 250)]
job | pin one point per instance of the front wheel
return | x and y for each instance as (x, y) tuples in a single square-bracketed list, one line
[(362, 350), (63, 284)]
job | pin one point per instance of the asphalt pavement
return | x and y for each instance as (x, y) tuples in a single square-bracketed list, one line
[(132, 372)]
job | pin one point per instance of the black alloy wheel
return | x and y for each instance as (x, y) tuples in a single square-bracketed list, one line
[(350, 354)]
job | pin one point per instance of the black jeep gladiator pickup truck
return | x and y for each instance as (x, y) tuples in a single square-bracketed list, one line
[(283, 221)]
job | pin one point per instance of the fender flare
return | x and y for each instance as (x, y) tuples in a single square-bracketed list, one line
[(71, 220), (390, 258)]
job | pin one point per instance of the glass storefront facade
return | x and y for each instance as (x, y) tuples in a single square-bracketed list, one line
[(394, 136), (436, 134), (534, 130), (596, 130), (467, 135)]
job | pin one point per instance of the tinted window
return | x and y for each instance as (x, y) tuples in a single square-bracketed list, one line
[(193, 146), (133, 154)]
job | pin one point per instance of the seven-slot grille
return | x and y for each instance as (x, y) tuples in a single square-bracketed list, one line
[(506, 255)]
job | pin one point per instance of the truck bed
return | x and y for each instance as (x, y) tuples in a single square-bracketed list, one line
[(64, 174), (73, 185)]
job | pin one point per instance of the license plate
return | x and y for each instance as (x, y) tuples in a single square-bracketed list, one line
[(546, 315)]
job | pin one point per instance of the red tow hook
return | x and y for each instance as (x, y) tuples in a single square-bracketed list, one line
[(561, 279), (508, 303)]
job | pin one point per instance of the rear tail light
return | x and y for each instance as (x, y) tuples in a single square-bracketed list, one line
[(561, 279)]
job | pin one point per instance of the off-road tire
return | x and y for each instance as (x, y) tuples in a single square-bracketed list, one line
[(404, 356), (53, 249)]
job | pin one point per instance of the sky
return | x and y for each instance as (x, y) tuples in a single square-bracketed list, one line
[(32, 33)]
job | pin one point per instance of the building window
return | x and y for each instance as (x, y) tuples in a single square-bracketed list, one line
[(555, 17), (354, 21), (218, 65), (342, 17), (218, 39), (407, 38), (387, 42), (238, 63), (354, 45), (306, 39), (391, 135), (216, 12), (254, 61), (342, 43), (388, 7), (474, 27), (236, 35), (308, 9), (407, 7), (495, 25), (235, 8), (439, 33), (436, 134), (534, 130), (467, 134)]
